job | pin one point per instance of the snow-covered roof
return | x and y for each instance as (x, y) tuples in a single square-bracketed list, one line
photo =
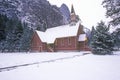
[(51, 34), (82, 37)]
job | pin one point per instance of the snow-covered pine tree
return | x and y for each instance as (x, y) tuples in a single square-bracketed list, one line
[(102, 42), (14, 30), (92, 33), (10, 34), (116, 35), (113, 10), (25, 41), (3, 20)]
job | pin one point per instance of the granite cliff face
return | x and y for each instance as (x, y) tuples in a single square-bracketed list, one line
[(39, 14), (66, 13)]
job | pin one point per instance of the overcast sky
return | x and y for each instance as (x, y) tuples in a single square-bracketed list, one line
[(90, 11)]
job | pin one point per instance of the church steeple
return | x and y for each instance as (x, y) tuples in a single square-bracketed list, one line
[(72, 9), (72, 16)]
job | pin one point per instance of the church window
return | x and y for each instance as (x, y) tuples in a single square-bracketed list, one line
[(62, 42), (69, 41)]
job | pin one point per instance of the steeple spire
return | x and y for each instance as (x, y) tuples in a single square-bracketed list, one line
[(73, 16), (72, 9)]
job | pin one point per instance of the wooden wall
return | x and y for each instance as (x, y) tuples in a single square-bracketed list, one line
[(67, 43), (37, 45)]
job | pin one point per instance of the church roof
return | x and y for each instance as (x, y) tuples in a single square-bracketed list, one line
[(51, 34)]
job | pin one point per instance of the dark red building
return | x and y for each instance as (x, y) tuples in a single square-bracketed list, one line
[(69, 37)]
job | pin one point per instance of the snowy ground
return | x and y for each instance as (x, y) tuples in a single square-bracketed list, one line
[(60, 66)]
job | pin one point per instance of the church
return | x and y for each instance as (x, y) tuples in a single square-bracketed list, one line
[(70, 37)]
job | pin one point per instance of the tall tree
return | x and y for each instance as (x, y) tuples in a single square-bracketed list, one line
[(113, 11), (116, 35), (102, 42), (3, 20), (25, 41), (10, 33)]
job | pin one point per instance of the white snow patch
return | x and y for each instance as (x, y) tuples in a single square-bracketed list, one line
[(88, 67)]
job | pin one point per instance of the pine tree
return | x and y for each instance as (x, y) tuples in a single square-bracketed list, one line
[(25, 41), (116, 35), (10, 33), (3, 20), (102, 42), (113, 10), (92, 33), (14, 31)]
